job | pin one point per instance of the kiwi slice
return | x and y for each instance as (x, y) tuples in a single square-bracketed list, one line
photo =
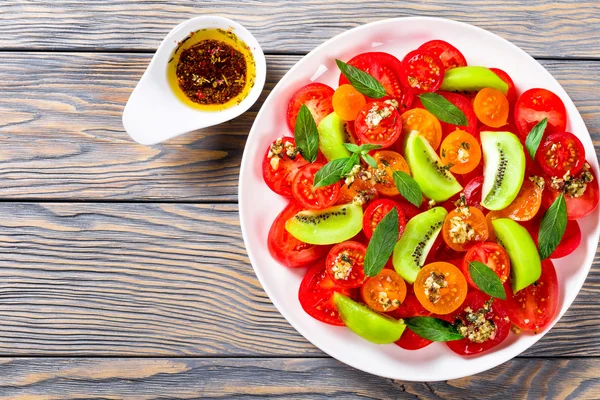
[(328, 226), (435, 180), (525, 264), (332, 135), (416, 241), (366, 323), (504, 169)]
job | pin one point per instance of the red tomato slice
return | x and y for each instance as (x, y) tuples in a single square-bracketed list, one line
[(512, 92), (561, 152), (491, 254), (378, 123), (476, 300), (411, 307), (534, 308), (316, 295), (286, 249), (310, 197), (345, 264), (472, 192), (577, 207), (440, 251), (279, 179), (569, 242), (387, 69), (536, 104), (316, 96), (423, 71), (375, 213), (450, 56)]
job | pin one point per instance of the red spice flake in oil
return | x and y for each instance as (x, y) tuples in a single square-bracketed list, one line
[(211, 72)]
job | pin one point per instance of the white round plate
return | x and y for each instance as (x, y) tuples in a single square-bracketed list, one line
[(259, 206)]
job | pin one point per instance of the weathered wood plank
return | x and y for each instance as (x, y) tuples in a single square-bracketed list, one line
[(543, 27), (321, 378), (164, 279), (61, 135)]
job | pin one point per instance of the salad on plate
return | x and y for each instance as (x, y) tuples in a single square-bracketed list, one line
[(427, 199)]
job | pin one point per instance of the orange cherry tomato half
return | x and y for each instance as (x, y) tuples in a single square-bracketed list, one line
[(440, 287), (345, 264), (347, 102), (362, 191), (387, 162), (385, 291), (421, 120), (462, 150), (491, 107), (464, 227), (527, 203)]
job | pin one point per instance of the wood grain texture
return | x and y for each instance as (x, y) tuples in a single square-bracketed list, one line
[(61, 135), (542, 27), (165, 280), (142, 379)]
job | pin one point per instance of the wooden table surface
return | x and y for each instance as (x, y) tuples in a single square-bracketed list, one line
[(123, 271)]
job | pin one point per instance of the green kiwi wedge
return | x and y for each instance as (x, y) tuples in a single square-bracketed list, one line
[(366, 323), (331, 225), (332, 135), (525, 264), (416, 241), (503, 170), (436, 182)]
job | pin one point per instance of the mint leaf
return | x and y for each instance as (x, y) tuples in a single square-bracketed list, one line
[(534, 137), (334, 170), (368, 147), (362, 81), (382, 243), (408, 187), (369, 160), (434, 329), (552, 227), (351, 147), (306, 135), (443, 109), (486, 280)]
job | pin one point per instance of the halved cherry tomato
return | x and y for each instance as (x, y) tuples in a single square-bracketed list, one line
[(450, 56), (359, 190), (476, 330), (278, 174), (387, 162), (569, 242), (387, 69), (491, 107), (534, 308), (527, 203), (286, 249), (512, 92), (560, 153), (536, 104), (577, 207), (464, 227), (440, 287), (316, 96), (419, 119), (491, 254), (423, 71), (462, 150), (472, 192), (345, 264), (316, 295), (384, 291), (379, 123), (347, 102), (375, 213), (411, 307), (309, 196)]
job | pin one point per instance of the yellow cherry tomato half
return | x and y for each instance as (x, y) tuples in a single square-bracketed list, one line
[(421, 120), (462, 150), (491, 107), (440, 287)]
